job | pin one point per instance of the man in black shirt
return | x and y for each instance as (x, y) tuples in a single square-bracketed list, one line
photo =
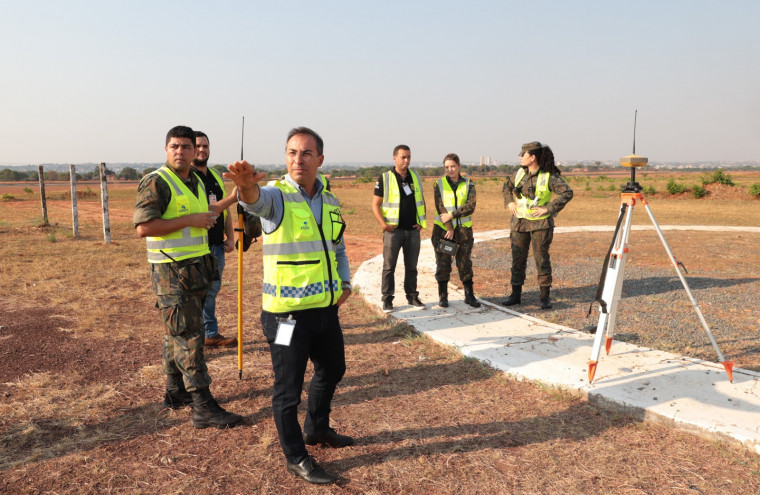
[(399, 208), (220, 238)]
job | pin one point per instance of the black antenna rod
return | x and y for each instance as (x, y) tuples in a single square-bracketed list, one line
[(242, 138), (635, 114)]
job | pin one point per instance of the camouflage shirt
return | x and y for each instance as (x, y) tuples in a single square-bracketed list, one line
[(154, 195), (561, 194), (171, 280)]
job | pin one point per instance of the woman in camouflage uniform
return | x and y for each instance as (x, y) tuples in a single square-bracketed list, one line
[(534, 195), (454, 206)]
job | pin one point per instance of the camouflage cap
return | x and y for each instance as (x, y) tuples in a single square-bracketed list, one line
[(533, 146)]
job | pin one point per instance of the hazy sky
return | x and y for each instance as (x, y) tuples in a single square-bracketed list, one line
[(102, 81)]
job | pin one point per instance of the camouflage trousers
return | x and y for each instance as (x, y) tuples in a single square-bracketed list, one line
[(540, 240), (462, 236), (181, 289)]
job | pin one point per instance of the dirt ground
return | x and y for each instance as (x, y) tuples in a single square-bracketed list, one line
[(81, 413)]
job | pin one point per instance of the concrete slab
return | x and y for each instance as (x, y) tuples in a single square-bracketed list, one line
[(683, 392)]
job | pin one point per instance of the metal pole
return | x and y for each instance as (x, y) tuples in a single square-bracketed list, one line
[(74, 212), (685, 285), (104, 203), (240, 244)]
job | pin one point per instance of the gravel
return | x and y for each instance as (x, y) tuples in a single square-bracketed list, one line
[(654, 310)]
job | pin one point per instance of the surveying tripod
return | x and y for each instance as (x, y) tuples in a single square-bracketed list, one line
[(611, 282)]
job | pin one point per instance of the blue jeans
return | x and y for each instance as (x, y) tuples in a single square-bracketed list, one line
[(209, 308)]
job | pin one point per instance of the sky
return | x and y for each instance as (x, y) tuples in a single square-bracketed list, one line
[(103, 81)]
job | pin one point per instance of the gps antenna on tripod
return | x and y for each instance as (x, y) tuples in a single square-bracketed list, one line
[(635, 114), (611, 282), (242, 138)]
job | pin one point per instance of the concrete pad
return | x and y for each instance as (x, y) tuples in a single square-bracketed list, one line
[(683, 392)]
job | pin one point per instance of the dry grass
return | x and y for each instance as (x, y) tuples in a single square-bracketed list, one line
[(88, 419)]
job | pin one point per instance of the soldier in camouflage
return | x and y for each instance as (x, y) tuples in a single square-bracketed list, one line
[(534, 195), (455, 200), (172, 213)]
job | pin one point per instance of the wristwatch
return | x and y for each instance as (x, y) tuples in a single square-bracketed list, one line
[(346, 285)]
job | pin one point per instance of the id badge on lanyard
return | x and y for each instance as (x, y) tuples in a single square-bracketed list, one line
[(285, 330)]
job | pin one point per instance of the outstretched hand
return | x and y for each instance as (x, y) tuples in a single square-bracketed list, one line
[(246, 178)]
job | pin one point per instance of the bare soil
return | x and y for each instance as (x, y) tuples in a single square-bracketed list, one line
[(81, 412)]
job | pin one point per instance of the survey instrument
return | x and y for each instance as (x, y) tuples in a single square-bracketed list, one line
[(611, 281)]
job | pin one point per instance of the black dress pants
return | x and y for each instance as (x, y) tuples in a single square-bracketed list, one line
[(317, 336)]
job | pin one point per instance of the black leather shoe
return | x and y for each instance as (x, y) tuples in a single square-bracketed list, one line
[(415, 301), (387, 306), (312, 472), (329, 437)]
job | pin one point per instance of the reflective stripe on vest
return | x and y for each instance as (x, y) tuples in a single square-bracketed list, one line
[(447, 195), (300, 268), (189, 242), (391, 204), (525, 206)]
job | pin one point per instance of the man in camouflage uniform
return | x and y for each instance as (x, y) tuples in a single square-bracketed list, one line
[(172, 213), (534, 195), (454, 205)]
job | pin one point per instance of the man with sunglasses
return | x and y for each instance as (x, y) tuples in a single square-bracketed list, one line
[(306, 279)]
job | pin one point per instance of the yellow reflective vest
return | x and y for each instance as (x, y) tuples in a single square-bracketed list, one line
[(219, 181), (300, 268), (448, 195), (525, 205), (189, 242), (391, 204)]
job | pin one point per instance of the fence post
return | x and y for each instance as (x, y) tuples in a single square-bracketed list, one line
[(42, 194), (104, 202), (74, 212)]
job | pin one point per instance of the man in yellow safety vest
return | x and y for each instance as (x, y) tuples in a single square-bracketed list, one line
[(172, 212), (306, 279), (399, 208)]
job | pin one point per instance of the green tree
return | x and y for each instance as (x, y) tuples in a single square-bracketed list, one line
[(8, 174), (129, 173)]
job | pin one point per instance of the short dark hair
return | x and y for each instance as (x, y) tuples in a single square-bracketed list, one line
[(453, 157), (306, 130), (201, 134), (401, 147), (181, 131)]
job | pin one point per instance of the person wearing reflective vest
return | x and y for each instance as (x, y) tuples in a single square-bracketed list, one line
[(306, 279), (399, 208), (172, 213), (455, 199), (220, 238), (534, 196)]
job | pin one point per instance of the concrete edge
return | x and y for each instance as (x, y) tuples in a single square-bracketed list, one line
[(593, 398)]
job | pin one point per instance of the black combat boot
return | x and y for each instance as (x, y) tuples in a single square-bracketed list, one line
[(207, 412), (469, 295), (545, 302), (176, 397), (443, 294), (514, 297)]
